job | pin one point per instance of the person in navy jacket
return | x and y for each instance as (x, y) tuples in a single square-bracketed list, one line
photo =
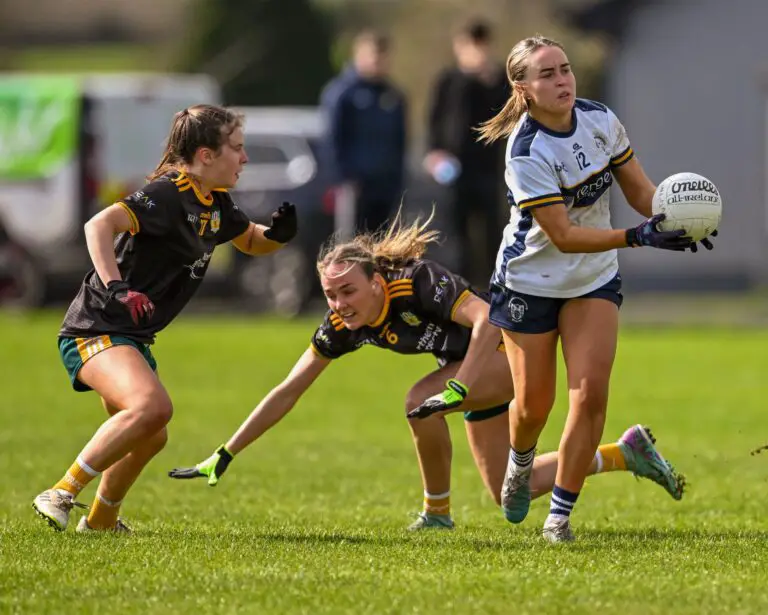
[(366, 136)]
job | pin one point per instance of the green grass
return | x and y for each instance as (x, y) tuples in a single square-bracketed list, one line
[(311, 519)]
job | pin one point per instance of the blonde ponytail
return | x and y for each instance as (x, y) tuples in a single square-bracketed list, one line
[(503, 123)]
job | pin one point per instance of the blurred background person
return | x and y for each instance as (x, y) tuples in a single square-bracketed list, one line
[(463, 96), (366, 136)]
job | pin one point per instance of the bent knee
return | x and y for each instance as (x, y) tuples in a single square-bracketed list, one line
[(532, 412), (154, 410), (412, 401)]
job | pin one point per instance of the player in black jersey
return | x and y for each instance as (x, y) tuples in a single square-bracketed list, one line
[(382, 292), (166, 234)]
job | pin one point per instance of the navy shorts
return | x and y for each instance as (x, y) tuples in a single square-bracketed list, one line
[(523, 313)]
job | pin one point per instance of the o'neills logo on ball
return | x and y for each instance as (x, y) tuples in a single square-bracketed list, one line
[(691, 186)]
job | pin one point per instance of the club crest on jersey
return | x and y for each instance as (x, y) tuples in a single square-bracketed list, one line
[(517, 308), (601, 142), (216, 221), (410, 319)]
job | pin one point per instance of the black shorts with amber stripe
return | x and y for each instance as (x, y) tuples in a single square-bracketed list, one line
[(76, 351)]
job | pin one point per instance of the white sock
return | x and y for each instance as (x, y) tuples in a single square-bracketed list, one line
[(599, 461)]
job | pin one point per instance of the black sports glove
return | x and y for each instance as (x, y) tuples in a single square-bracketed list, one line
[(704, 242), (284, 224), (648, 234), (138, 304)]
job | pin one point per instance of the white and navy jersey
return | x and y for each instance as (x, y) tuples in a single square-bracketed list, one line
[(544, 167)]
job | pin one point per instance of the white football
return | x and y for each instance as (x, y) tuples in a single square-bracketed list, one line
[(691, 202)]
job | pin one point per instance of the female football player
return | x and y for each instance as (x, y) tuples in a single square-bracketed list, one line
[(381, 291), (557, 275), (166, 232)]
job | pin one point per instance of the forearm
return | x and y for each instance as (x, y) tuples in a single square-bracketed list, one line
[(100, 239), (269, 412), (483, 343), (637, 187), (257, 244), (583, 240), (642, 201)]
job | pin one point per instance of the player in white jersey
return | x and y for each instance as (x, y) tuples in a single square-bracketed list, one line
[(557, 275)]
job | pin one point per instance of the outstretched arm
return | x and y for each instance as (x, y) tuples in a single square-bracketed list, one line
[(259, 239), (278, 402)]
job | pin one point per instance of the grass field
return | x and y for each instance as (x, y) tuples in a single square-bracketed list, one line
[(311, 519)]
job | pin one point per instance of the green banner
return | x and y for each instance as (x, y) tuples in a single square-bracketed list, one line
[(38, 125)]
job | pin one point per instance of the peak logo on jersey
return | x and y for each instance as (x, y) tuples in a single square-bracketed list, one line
[(440, 288), (410, 318), (143, 199), (576, 147), (517, 308)]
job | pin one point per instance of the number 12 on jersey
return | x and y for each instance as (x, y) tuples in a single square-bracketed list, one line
[(581, 158)]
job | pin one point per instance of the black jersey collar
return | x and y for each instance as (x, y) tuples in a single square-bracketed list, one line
[(184, 183)]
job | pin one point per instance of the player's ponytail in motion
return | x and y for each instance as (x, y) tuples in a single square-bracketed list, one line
[(503, 123), (193, 128), (387, 250)]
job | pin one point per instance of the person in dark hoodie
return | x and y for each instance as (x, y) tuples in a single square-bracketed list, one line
[(463, 96), (366, 135)]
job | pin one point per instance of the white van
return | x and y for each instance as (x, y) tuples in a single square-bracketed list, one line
[(72, 144)]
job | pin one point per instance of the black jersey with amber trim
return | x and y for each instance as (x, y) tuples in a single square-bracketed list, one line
[(420, 302), (174, 230)]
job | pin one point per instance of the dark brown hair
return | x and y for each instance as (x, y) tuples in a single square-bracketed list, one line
[(478, 31), (193, 128)]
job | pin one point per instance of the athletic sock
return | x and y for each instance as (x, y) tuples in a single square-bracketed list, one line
[(103, 513), (76, 478), (562, 502), (439, 504)]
